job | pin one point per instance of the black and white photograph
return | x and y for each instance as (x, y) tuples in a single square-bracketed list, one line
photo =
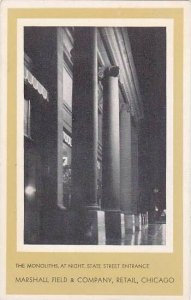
[(95, 135), (95, 164)]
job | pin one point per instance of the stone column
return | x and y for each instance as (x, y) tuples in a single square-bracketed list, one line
[(135, 175), (111, 154), (126, 169), (87, 222), (84, 119)]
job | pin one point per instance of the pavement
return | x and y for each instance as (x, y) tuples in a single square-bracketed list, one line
[(152, 234)]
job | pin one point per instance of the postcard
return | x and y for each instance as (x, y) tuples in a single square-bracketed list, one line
[(95, 149)]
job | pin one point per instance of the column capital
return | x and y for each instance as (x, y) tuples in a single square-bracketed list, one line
[(112, 71), (104, 72), (101, 72)]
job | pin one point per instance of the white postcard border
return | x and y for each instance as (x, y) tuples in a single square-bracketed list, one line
[(169, 138)]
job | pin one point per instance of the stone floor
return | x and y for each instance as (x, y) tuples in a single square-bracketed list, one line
[(153, 234)]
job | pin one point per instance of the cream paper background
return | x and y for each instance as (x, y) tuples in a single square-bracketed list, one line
[(182, 113)]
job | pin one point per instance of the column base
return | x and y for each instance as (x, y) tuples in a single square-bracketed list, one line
[(122, 226), (138, 221), (113, 226), (147, 218), (129, 224), (144, 217), (101, 228), (87, 227), (151, 217)]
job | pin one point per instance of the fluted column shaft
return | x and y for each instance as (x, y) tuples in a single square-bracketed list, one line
[(125, 160), (135, 166), (111, 147)]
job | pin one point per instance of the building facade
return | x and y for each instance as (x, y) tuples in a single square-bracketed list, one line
[(83, 111)]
